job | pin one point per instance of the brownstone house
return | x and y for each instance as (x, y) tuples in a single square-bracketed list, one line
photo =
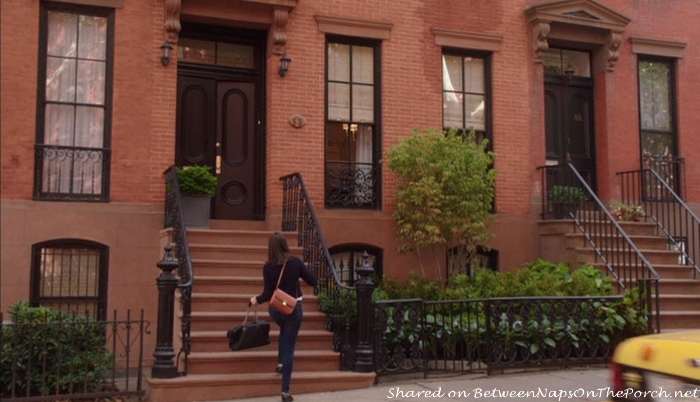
[(100, 97)]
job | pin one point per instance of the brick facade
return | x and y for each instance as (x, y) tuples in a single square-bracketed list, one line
[(144, 114)]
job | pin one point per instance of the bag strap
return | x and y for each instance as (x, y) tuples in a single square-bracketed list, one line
[(255, 311), (296, 293), (281, 273)]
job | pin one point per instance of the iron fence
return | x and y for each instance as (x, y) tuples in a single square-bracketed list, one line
[(483, 335), (72, 359)]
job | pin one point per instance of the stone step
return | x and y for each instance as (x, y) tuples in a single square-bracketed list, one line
[(682, 302), (678, 319), (575, 240), (222, 321), (216, 341), (250, 385), (251, 269), (239, 301), (237, 237), (665, 271), (232, 252), (664, 257), (227, 224), (679, 286), (259, 361), (674, 271), (238, 284)]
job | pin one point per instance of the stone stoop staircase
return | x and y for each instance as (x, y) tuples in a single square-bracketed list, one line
[(679, 292), (227, 266)]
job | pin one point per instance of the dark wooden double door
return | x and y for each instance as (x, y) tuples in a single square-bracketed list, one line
[(570, 133), (218, 126)]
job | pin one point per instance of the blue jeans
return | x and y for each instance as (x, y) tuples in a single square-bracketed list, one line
[(289, 331)]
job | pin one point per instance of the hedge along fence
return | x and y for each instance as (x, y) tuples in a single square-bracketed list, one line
[(487, 334), (542, 313), (50, 355)]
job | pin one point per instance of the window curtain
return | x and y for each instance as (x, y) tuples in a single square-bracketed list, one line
[(75, 99)]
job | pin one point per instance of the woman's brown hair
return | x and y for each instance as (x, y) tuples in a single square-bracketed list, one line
[(277, 248)]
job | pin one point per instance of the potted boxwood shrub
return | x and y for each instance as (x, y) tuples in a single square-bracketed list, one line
[(565, 200), (197, 185)]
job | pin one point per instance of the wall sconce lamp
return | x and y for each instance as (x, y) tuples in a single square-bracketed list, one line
[(165, 51), (569, 71), (284, 65)]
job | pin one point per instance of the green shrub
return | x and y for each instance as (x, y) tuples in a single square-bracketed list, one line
[(45, 351), (196, 180), (567, 194)]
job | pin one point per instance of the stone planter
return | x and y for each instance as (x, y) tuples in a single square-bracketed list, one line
[(197, 210)]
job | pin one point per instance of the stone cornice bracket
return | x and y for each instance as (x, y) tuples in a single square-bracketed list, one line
[(612, 46), (172, 19), (540, 31), (278, 31)]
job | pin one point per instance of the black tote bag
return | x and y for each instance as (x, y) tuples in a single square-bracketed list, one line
[(249, 334)]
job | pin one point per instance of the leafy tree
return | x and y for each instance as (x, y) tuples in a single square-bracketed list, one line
[(444, 195)]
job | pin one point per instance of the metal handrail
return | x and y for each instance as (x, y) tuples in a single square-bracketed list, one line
[(664, 206), (175, 219), (602, 231), (298, 215)]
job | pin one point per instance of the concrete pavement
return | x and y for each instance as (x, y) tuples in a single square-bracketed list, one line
[(572, 384)]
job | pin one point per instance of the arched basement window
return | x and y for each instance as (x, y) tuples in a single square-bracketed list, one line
[(70, 275), (348, 257)]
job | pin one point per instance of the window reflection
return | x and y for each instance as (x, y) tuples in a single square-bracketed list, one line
[(216, 53)]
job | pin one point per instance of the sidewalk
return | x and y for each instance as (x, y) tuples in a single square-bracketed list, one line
[(572, 384)]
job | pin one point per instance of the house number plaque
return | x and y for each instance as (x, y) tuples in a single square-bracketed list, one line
[(297, 121)]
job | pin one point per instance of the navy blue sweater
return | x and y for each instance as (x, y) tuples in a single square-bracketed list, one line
[(290, 280)]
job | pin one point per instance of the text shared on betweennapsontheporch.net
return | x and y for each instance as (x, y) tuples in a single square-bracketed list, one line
[(398, 393)]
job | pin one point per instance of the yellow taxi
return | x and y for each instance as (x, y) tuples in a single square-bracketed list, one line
[(657, 368)]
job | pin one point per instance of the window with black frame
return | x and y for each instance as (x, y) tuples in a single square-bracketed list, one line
[(352, 114), (466, 93), (657, 121), (460, 261), (72, 149), (71, 276), (348, 257)]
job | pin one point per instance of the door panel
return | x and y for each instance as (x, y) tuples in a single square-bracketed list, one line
[(195, 130), (216, 127), (569, 127), (236, 136)]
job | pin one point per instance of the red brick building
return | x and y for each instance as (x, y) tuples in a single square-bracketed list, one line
[(92, 115)]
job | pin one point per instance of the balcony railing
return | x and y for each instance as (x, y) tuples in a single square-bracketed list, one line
[(351, 185), (71, 173)]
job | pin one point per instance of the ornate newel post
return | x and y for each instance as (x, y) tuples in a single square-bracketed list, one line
[(364, 354), (164, 366)]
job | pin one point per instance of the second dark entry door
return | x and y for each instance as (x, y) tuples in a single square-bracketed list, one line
[(217, 127), (570, 124)]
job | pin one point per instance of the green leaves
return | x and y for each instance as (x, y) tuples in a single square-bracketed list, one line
[(45, 351), (196, 180), (445, 190)]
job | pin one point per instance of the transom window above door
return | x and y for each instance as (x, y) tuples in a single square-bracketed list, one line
[(567, 62), (216, 53)]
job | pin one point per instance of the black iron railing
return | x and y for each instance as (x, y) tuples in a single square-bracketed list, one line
[(337, 300), (662, 205), (566, 195), (71, 173), (175, 219), (351, 185), (72, 359), (671, 170), (416, 336)]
